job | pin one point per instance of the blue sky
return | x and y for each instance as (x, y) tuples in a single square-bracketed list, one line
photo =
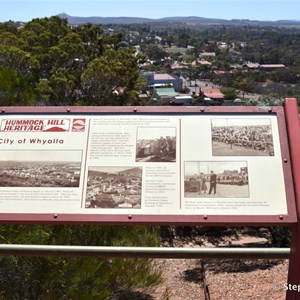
[(25, 10)]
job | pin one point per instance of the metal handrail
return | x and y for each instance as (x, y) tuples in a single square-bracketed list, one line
[(145, 252)]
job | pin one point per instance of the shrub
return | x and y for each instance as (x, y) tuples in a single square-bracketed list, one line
[(77, 278)]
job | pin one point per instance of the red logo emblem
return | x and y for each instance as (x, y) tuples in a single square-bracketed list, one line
[(78, 125)]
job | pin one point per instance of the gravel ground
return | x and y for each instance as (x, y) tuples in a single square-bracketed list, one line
[(183, 280), (260, 279), (246, 279), (226, 279)]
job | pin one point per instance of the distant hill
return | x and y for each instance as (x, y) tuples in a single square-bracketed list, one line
[(131, 172), (103, 20), (187, 20), (97, 173)]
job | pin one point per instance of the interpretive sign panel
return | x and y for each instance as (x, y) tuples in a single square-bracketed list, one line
[(179, 167)]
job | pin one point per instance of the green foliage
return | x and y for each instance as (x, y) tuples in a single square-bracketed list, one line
[(184, 90), (229, 93), (268, 101), (8, 27), (62, 64), (76, 278), (105, 75), (11, 39), (243, 84), (155, 53), (14, 89)]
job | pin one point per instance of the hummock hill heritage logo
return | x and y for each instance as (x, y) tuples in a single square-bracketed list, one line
[(78, 125), (35, 125)]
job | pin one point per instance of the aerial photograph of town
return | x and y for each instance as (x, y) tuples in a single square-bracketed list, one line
[(114, 187), (40, 168)]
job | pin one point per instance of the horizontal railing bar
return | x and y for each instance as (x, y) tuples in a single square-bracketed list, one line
[(145, 252)]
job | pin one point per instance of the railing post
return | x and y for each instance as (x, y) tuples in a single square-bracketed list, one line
[(294, 267), (293, 127)]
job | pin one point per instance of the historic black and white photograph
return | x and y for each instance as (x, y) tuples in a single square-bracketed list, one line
[(242, 137), (204, 179), (40, 168), (156, 144), (114, 187)]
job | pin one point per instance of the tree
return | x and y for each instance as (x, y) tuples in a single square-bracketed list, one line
[(193, 73), (59, 89), (69, 66), (92, 39), (243, 85), (72, 45), (8, 27), (14, 89), (229, 93), (11, 39), (104, 75), (39, 36), (155, 53), (18, 60)]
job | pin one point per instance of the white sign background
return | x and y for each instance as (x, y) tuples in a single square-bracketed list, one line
[(125, 164)]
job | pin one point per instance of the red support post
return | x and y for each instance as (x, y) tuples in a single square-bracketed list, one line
[(293, 127)]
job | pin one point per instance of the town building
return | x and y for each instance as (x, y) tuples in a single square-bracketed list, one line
[(212, 95), (163, 78), (252, 66), (271, 67), (266, 67), (182, 100), (164, 93), (203, 62), (207, 54)]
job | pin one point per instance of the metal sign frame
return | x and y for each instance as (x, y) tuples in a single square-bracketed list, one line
[(152, 219)]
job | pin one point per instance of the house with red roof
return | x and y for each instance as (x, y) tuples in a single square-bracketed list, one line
[(203, 62), (212, 94)]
